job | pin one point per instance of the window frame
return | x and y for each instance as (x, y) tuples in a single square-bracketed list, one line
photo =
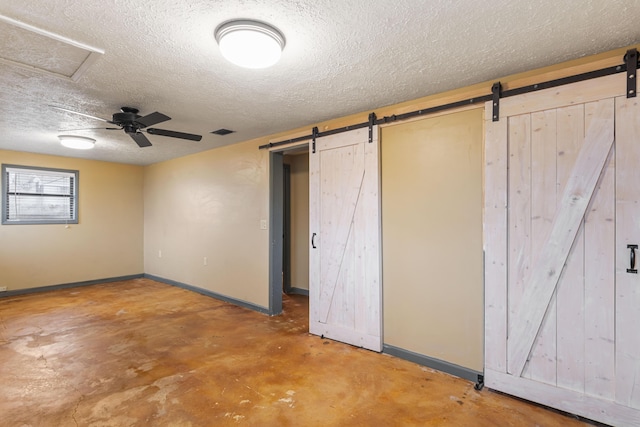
[(6, 194)]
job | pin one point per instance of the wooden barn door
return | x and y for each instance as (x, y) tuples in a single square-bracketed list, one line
[(562, 204), (344, 259)]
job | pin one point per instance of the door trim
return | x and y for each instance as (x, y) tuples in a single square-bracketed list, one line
[(286, 229), (276, 216)]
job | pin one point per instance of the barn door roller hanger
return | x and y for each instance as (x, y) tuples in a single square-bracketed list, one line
[(631, 60)]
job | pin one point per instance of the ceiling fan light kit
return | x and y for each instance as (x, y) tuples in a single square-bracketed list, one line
[(250, 44), (77, 142)]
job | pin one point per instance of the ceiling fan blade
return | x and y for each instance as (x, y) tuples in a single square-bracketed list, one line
[(80, 114), (73, 130), (174, 134), (140, 139), (152, 119)]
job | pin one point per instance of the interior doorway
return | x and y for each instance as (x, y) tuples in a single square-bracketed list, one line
[(286, 226), (296, 223), (289, 224)]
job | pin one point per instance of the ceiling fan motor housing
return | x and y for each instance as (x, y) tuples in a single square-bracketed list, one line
[(126, 118)]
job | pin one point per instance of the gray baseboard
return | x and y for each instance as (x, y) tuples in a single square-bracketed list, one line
[(420, 359), (298, 291), (440, 365), (68, 285), (137, 276), (208, 293)]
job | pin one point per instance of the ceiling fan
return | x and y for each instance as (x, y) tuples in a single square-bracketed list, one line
[(134, 125)]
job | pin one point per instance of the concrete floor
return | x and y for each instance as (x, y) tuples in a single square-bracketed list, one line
[(142, 353)]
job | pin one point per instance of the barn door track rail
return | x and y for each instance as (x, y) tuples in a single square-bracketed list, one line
[(629, 66)]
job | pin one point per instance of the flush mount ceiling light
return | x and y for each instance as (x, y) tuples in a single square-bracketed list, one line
[(77, 142), (250, 44)]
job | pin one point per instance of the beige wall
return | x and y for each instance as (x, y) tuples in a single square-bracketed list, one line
[(107, 241), (300, 220), (432, 237), (210, 205)]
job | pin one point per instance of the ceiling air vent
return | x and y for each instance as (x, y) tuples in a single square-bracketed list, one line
[(222, 132), (39, 50)]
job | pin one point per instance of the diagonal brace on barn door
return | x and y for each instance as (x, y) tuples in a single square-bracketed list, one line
[(553, 255)]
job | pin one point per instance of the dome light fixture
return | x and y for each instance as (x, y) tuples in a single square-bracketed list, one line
[(77, 142), (250, 44)]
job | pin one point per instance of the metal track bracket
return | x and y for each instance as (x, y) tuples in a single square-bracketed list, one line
[(314, 134), (496, 91), (372, 122), (631, 59)]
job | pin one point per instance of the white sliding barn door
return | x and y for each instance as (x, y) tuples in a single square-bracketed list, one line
[(562, 202), (344, 259)]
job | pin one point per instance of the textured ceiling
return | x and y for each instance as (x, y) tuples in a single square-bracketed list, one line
[(341, 58)]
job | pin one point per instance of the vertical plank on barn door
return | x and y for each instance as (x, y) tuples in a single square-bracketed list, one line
[(542, 364), (314, 223), (519, 212), (570, 292), (599, 272), (345, 285), (495, 244), (627, 232)]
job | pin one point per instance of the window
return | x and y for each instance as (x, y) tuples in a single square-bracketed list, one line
[(39, 195)]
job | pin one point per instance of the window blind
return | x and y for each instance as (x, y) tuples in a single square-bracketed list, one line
[(37, 195)]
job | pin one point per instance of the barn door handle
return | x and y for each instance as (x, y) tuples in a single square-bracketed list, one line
[(632, 259), (313, 237)]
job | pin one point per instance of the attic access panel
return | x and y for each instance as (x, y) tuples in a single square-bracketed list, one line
[(36, 49)]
